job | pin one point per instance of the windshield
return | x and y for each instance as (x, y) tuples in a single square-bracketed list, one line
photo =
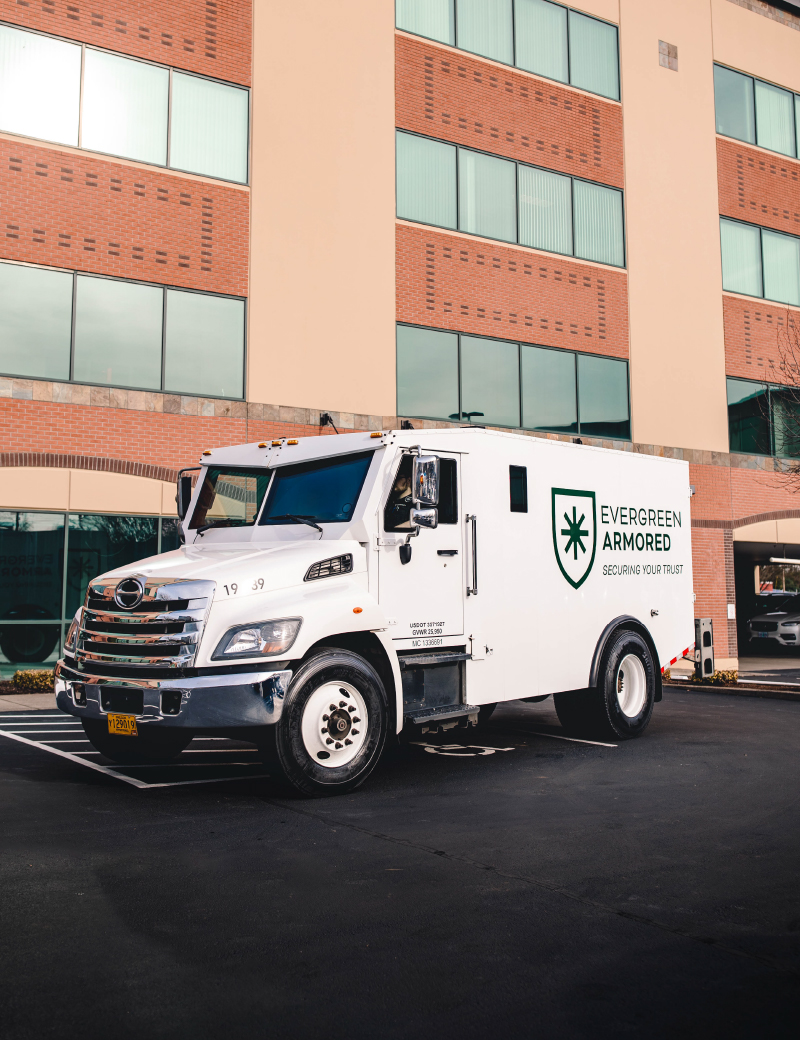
[(325, 490), (230, 497), (777, 604)]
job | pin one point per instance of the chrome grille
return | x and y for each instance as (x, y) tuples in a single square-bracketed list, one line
[(764, 626), (162, 631)]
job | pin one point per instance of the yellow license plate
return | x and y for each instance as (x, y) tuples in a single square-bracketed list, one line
[(122, 725)]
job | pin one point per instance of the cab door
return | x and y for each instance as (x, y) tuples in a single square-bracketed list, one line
[(423, 598)]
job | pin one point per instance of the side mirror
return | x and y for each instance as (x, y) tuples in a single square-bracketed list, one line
[(424, 518), (184, 496), (425, 482)]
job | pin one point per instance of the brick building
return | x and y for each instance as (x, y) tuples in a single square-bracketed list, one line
[(222, 219)]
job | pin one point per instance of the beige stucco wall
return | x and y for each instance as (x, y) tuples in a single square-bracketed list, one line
[(749, 42), (322, 302), (85, 491), (770, 531), (608, 9), (677, 350)]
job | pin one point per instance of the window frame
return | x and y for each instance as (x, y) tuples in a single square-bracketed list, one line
[(761, 229), (514, 65), (769, 388), (504, 241), (144, 61), (755, 144), (519, 344), (131, 281)]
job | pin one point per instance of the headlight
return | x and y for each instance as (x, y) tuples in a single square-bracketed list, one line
[(262, 639), (789, 624), (72, 634)]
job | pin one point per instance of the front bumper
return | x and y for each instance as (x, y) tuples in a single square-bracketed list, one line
[(781, 638), (206, 703)]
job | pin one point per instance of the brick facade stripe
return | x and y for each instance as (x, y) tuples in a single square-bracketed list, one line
[(758, 186), (489, 289), (76, 211), (445, 93), (47, 460), (744, 521), (212, 38), (755, 336)]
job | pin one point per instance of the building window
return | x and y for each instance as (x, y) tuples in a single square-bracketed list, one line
[(545, 38), (126, 107), (458, 188), (759, 262), (757, 112), (124, 334), (763, 419), (491, 382), (62, 553)]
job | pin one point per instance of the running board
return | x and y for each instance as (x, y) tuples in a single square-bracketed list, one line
[(446, 715)]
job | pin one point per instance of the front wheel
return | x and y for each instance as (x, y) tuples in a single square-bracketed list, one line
[(146, 747), (333, 726), (621, 705)]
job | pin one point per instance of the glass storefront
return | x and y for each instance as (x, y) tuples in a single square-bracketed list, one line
[(46, 563)]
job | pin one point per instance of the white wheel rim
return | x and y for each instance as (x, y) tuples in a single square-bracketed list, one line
[(631, 686), (335, 723)]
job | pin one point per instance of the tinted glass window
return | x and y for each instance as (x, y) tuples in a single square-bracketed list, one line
[(549, 400), (398, 504), (326, 490), (432, 18), (427, 373), (774, 118), (603, 397), (741, 257), (593, 57), (781, 258), (448, 491), (486, 27), (598, 223), (125, 105), (545, 210), (785, 415), (118, 333), (230, 497), (487, 196), (204, 345), (426, 180), (489, 382), (31, 562), (735, 108), (170, 534), (209, 128), (774, 604), (36, 327), (541, 38), (101, 543), (518, 481), (748, 417), (40, 82)]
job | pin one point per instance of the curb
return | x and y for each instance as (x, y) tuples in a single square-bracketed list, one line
[(766, 693)]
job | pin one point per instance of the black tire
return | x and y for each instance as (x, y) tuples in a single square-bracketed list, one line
[(619, 708), (298, 752), (148, 746), (28, 644)]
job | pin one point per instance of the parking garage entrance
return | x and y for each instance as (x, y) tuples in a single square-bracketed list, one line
[(767, 576)]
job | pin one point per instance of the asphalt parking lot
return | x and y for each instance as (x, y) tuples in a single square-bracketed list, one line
[(505, 882)]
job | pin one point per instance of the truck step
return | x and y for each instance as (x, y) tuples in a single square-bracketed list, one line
[(451, 713)]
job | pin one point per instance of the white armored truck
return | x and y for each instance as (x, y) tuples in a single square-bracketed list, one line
[(333, 592)]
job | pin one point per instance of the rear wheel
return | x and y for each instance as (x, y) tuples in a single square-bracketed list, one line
[(621, 705), (333, 726), (148, 746)]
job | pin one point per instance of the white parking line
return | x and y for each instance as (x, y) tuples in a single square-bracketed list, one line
[(574, 740), (41, 732), (132, 780)]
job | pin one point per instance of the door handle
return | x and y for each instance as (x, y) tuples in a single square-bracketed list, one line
[(447, 552), (473, 520)]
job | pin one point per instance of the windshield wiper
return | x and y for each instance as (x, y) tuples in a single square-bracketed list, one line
[(298, 519), (218, 523)]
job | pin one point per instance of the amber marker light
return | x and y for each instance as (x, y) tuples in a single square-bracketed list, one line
[(376, 434), (206, 452), (357, 610), (263, 444), (291, 442), (276, 444)]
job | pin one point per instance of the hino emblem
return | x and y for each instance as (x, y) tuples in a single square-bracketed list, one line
[(129, 593)]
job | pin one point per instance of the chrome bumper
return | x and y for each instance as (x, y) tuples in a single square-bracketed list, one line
[(208, 702)]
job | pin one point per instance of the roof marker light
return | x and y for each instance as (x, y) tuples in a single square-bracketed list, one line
[(292, 442), (376, 434), (276, 444), (206, 452), (263, 444)]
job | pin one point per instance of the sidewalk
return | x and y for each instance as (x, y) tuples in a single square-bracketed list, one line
[(28, 702)]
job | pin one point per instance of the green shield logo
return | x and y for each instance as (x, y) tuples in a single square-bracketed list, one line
[(574, 533)]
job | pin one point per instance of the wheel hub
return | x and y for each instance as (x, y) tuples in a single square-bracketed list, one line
[(334, 724), (339, 724)]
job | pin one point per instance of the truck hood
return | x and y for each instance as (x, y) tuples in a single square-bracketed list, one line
[(279, 564)]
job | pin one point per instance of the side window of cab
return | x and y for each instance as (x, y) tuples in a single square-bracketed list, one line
[(398, 505)]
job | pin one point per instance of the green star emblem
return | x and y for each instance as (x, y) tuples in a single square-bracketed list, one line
[(575, 532)]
